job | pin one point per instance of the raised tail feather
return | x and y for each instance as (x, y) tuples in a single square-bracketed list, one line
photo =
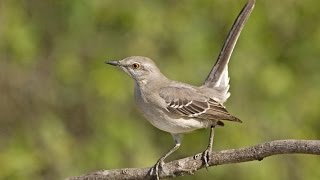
[(218, 77)]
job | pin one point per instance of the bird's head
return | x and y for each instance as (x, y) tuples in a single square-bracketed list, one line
[(141, 69)]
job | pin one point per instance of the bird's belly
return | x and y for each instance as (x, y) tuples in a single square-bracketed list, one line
[(172, 125)]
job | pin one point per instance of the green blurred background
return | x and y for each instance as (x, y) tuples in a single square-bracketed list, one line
[(63, 112)]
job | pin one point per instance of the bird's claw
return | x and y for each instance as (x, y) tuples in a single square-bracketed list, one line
[(206, 157), (156, 168)]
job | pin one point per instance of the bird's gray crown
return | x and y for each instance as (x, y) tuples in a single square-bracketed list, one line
[(138, 67)]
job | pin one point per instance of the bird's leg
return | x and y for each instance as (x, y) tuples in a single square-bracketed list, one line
[(208, 151), (156, 168)]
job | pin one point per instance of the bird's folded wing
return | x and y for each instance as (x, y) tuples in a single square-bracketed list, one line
[(187, 102)]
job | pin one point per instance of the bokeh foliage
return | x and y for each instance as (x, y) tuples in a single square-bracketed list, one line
[(63, 112)]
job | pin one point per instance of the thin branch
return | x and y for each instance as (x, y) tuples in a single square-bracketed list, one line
[(189, 165)]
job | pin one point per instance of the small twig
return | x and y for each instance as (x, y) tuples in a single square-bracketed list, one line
[(189, 165)]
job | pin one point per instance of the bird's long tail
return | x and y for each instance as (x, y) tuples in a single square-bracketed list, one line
[(218, 77)]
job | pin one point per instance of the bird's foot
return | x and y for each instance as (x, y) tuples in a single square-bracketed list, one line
[(206, 156), (156, 168)]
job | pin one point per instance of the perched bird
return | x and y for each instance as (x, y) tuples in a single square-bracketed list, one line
[(177, 107)]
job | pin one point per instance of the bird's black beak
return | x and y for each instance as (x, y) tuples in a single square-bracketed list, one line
[(113, 63)]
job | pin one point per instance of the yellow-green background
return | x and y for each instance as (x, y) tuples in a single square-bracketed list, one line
[(63, 112)]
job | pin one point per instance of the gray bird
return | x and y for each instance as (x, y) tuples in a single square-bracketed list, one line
[(179, 108)]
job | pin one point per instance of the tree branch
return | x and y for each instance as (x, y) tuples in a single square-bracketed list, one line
[(189, 165)]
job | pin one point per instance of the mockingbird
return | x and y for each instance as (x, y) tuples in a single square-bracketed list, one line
[(178, 108)]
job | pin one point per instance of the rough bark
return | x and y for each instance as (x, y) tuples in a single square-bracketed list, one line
[(190, 165)]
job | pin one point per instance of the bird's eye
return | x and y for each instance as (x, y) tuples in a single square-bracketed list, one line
[(135, 65)]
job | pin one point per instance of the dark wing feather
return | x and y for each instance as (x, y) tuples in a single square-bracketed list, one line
[(196, 106)]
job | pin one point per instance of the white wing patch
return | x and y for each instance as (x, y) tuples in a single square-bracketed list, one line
[(192, 108)]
